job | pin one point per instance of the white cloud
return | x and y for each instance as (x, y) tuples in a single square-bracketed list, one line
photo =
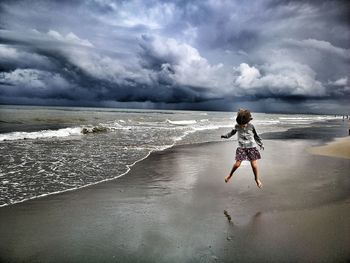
[(23, 77), (248, 75), (8, 52), (131, 14), (25, 82), (340, 82), (323, 46), (279, 79), (103, 67), (185, 64), (33, 78), (10, 55), (70, 38), (339, 87)]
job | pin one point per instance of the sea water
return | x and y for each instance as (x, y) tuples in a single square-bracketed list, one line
[(46, 150)]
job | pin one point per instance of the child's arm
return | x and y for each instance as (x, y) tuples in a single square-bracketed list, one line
[(257, 138), (230, 134)]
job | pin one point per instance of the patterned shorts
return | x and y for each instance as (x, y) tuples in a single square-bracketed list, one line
[(249, 154)]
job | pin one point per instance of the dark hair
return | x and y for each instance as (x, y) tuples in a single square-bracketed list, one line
[(243, 116)]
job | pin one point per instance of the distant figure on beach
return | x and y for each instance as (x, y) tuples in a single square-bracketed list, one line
[(246, 149)]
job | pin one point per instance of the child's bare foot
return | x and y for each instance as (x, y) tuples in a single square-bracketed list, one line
[(259, 183), (227, 178)]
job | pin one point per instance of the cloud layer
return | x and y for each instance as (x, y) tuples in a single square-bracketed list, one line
[(184, 54)]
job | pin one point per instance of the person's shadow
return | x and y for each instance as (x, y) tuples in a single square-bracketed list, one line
[(252, 224), (227, 215)]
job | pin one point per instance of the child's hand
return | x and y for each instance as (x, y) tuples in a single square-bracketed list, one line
[(262, 147)]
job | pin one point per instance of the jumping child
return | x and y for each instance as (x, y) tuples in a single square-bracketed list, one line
[(246, 149)]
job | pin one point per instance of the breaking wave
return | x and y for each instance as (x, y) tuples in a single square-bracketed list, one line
[(184, 122), (43, 134), (40, 134)]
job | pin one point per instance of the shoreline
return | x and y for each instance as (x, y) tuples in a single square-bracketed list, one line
[(313, 150), (171, 208), (129, 167)]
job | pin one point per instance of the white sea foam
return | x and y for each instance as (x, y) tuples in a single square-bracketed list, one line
[(306, 118), (41, 134), (212, 127), (112, 126), (180, 138), (129, 166), (183, 122), (266, 122)]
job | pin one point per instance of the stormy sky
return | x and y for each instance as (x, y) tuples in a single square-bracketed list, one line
[(267, 55)]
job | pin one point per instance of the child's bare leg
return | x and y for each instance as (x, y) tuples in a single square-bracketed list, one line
[(254, 165), (234, 168)]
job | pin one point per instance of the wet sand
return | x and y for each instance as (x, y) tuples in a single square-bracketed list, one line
[(339, 148), (175, 207)]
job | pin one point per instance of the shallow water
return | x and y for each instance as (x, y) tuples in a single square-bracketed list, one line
[(46, 150)]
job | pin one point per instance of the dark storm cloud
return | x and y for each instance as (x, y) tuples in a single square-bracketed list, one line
[(182, 54), (89, 79)]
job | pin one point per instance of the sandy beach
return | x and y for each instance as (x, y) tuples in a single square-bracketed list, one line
[(175, 207), (338, 148)]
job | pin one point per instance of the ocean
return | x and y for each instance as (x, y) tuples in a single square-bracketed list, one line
[(47, 150)]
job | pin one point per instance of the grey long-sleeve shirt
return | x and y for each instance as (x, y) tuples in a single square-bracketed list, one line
[(246, 136)]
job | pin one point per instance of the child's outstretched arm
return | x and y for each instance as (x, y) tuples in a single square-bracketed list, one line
[(230, 134), (258, 139)]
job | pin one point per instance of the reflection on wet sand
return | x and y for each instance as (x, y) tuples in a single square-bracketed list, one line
[(228, 217)]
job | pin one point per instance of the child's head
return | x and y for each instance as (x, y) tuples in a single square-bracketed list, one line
[(243, 116)]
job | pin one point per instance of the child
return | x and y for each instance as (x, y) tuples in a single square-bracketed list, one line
[(246, 149)]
